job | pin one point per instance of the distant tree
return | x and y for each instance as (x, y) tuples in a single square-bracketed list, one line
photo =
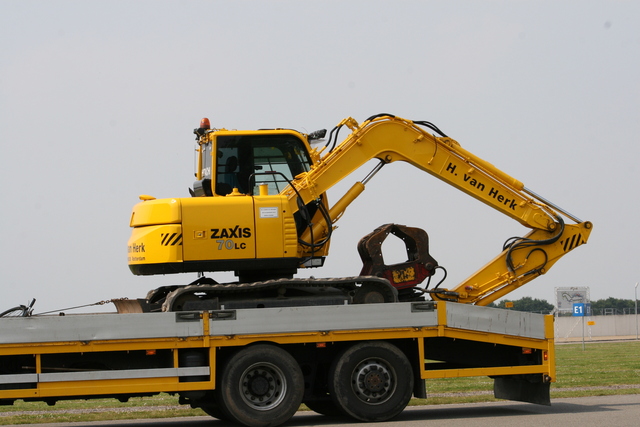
[(533, 305), (619, 306)]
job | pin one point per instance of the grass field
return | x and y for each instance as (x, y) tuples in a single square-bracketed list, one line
[(599, 369)]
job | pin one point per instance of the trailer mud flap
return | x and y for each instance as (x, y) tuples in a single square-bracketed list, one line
[(522, 390)]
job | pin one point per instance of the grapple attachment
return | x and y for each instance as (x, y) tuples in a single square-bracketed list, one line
[(415, 270)]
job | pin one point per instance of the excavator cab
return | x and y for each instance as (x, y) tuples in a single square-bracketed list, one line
[(246, 161), (239, 217)]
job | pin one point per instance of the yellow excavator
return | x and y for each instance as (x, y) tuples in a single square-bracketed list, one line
[(259, 208)]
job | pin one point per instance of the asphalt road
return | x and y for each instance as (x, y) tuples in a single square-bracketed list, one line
[(619, 411)]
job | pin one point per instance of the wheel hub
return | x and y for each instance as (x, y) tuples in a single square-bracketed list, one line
[(263, 386), (373, 382), (259, 385)]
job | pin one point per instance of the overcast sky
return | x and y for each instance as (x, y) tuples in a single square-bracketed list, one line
[(98, 101)]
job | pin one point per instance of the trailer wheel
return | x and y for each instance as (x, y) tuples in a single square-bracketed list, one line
[(214, 411), (261, 385), (371, 381), (209, 404), (324, 407)]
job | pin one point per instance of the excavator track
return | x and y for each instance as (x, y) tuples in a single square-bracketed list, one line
[(204, 294)]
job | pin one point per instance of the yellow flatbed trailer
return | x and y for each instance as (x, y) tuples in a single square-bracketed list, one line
[(255, 366)]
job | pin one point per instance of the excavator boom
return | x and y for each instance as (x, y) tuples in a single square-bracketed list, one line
[(390, 138)]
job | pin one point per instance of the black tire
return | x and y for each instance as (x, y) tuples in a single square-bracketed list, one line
[(371, 381), (261, 385), (213, 410), (210, 406), (325, 407)]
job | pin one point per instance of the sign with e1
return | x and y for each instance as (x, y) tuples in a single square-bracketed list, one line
[(579, 309)]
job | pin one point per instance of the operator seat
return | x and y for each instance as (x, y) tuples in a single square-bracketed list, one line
[(227, 177)]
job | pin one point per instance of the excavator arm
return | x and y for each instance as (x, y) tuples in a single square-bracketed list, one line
[(390, 139)]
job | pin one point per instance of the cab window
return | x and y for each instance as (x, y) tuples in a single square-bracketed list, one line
[(242, 160)]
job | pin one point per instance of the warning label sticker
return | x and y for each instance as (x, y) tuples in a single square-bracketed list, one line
[(269, 212)]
